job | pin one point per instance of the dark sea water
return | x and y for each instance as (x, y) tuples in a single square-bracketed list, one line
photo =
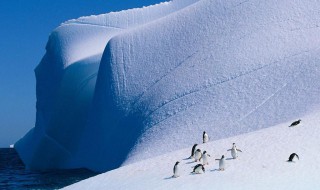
[(13, 174)]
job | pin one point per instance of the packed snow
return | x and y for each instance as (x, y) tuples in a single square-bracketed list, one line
[(118, 88), (262, 164)]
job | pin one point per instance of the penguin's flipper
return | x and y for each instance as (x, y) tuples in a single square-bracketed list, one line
[(229, 150), (217, 159), (239, 150)]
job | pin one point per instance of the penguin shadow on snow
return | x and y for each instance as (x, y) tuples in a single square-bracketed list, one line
[(230, 159), (291, 162), (171, 177), (215, 170), (193, 173), (191, 162)]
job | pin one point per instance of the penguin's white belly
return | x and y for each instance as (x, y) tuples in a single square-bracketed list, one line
[(197, 156), (234, 153), (205, 138), (205, 159), (176, 172), (221, 164)]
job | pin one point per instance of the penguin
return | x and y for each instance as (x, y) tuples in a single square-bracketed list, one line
[(234, 151), (205, 137), (197, 155), (221, 163), (176, 170), (205, 158), (193, 150), (197, 169), (295, 123), (291, 157)]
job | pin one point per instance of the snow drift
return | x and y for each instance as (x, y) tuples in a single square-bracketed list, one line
[(117, 88)]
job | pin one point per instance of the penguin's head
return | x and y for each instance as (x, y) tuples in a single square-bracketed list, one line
[(204, 152), (299, 120), (222, 157), (195, 145), (204, 132), (177, 162), (198, 150), (203, 169)]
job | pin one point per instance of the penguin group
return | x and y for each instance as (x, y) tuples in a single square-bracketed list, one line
[(203, 157)]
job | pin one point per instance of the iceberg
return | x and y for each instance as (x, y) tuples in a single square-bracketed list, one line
[(117, 88)]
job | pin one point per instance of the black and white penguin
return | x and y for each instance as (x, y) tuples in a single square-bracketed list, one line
[(291, 157), (295, 123), (221, 163), (205, 158), (193, 150), (176, 170), (198, 168), (234, 151), (197, 155), (205, 137)]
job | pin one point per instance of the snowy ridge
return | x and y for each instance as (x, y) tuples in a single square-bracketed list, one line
[(133, 17), (261, 165), (112, 87)]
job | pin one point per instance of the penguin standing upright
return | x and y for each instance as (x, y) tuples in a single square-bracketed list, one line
[(291, 157), (205, 137), (197, 169), (193, 150), (234, 151), (221, 163), (197, 155), (205, 158), (176, 170)]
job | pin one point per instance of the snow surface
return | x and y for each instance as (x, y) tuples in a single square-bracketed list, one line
[(122, 87), (262, 164)]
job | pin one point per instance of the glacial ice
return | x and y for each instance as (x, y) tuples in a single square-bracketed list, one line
[(121, 87)]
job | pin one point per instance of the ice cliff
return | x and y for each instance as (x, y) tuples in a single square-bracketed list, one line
[(117, 88)]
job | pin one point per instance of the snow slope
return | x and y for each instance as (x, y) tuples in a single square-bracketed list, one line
[(262, 164), (113, 87)]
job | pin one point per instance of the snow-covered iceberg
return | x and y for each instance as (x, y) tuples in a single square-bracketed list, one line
[(117, 88)]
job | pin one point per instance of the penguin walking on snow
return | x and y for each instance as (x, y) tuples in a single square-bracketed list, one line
[(176, 170), (234, 151), (292, 156), (221, 163), (198, 168), (193, 150), (295, 123), (205, 137), (205, 158), (197, 155)]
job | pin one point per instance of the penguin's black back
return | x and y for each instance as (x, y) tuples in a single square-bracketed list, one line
[(193, 148), (198, 165), (291, 157), (295, 123)]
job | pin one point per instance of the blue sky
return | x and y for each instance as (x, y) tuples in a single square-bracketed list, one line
[(25, 27)]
